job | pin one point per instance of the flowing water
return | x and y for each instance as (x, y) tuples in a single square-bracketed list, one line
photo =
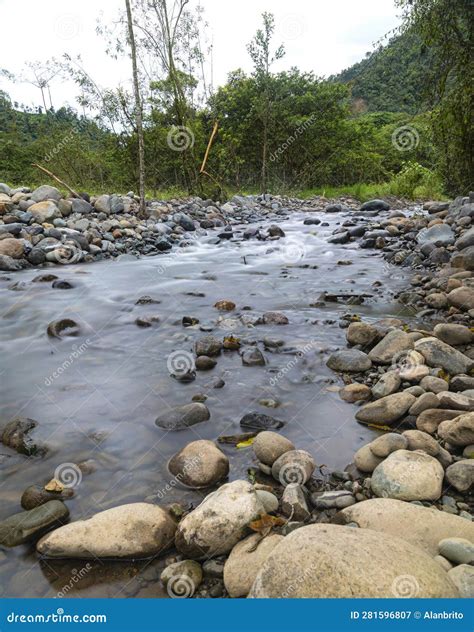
[(96, 396)]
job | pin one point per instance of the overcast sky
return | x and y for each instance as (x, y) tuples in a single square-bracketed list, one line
[(324, 36)]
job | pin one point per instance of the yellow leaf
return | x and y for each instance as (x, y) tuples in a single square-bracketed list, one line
[(379, 427), (246, 444)]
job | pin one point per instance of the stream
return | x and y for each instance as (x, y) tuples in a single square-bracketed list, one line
[(96, 396)]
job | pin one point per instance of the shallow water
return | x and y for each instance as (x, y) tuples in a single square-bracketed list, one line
[(96, 396)]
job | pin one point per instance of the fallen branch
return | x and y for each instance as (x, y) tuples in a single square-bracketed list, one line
[(51, 175)]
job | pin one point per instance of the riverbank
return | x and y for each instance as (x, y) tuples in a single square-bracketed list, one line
[(252, 321)]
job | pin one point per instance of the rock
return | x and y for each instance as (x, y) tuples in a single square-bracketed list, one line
[(466, 240), (439, 354), (405, 475), (444, 562), (214, 568), (457, 550), (439, 235), (12, 248), (461, 475), (455, 401), (424, 402), (349, 360), (253, 357), (388, 443), (181, 579), (199, 464), (24, 526), (269, 446), (219, 522), (355, 393), (386, 410), (62, 328), (127, 531), (462, 577), (295, 466), (453, 334), (204, 363), (15, 435), (260, 421), (269, 501), (245, 560), (293, 503), (332, 500), (388, 384), (325, 561), (462, 383), (430, 419), (182, 417), (422, 526), (79, 205), (7, 264), (102, 204), (462, 298), (375, 205), (275, 318), (434, 384), (365, 460), (437, 300), (390, 347), (44, 211), (362, 334), (225, 306), (458, 431), (35, 496), (45, 192), (417, 440), (208, 346)]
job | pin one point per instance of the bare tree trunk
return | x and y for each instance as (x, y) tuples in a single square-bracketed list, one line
[(138, 114)]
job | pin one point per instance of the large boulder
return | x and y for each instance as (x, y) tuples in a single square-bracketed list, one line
[(245, 560), (386, 410), (391, 346), (332, 561), (422, 526), (199, 464), (406, 475), (128, 531), (438, 354), (219, 522)]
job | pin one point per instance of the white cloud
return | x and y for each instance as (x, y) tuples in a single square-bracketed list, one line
[(319, 35)]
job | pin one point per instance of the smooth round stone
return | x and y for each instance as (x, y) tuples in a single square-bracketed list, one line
[(208, 346), (457, 550), (462, 577), (199, 464), (269, 446), (386, 410), (349, 360), (355, 393), (253, 357), (424, 402), (461, 475), (418, 440), (182, 417), (453, 334), (388, 384), (181, 579), (268, 500), (458, 431), (365, 460), (22, 527), (388, 443), (434, 384), (361, 334), (35, 496), (295, 466), (205, 363)]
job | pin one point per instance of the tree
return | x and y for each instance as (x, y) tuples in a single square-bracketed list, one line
[(446, 27), (260, 51), (138, 110)]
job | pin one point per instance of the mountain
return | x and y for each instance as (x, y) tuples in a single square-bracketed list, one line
[(392, 78)]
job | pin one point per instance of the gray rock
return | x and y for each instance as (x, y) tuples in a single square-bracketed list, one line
[(424, 402), (390, 347), (332, 500), (365, 460), (44, 211), (102, 204), (461, 475), (418, 440), (439, 354), (386, 410), (35, 496), (182, 417), (458, 431), (439, 235), (462, 298), (388, 443), (45, 192), (375, 205), (79, 205), (24, 526), (253, 357), (453, 334), (199, 464), (456, 401), (434, 384), (462, 577), (7, 264), (388, 384), (349, 360), (296, 466), (260, 421), (181, 579), (466, 240), (208, 346), (15, 435), (457, 550), (293, 503), (269, 446), (405, 475), (362, 334), (429, 420), (268, 500)]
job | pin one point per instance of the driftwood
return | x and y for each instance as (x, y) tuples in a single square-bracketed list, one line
[(208, 149), (51, 175)]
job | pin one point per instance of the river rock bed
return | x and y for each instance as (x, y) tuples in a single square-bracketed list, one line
[(402, 509)]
